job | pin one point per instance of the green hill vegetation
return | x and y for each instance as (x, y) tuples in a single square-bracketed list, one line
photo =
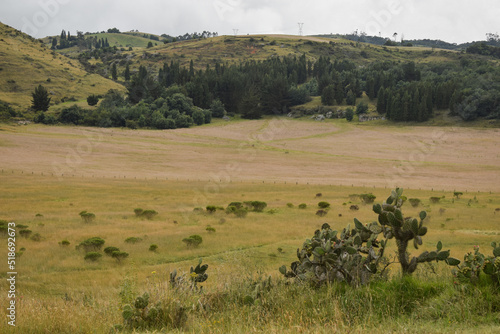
[(26, 63)]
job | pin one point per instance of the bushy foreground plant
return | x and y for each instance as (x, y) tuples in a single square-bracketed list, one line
[(164, 314), (356, 254), (476, 263)]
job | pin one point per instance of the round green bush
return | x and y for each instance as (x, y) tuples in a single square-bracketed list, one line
[(109, 250), (324, 205), (92, 256)]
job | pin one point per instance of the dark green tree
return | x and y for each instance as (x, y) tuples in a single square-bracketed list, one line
[(114, 72), (126, 74), (328, 95), (250, 104), (41, 99)]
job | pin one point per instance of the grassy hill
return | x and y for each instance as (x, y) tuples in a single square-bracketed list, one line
[(25, 63)]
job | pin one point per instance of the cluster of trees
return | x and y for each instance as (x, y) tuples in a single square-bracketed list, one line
[(169, 111), (66, 40), (408, 92), (484, 49)]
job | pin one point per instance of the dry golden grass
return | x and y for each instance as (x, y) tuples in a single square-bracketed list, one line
[(270, 150)]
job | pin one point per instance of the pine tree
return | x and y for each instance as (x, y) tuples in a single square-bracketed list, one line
[(127, 73), (250, 104), (54, 43), (328, 95), (381, 101), (114, 73), (41, 99)]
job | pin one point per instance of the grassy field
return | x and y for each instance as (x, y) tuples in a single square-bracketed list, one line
[(50, 174), (62, 77)]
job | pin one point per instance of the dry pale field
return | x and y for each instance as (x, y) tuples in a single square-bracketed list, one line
[(270, 150)]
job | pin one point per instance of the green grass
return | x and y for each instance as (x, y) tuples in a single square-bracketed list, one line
[(63, 293), (26, 63)]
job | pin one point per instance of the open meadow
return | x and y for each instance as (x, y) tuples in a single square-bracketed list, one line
[(50, 175)]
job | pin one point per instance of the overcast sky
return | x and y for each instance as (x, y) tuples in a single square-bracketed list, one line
[(454, 21)]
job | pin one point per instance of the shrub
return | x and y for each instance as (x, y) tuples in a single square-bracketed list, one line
[(290, 205), (237, 205), (119, 256), (109, 250), (211, 208), (367, 198), (92, 244), (64, 243), (133, 240), (302, 205), (87, 217), (321, 213), (92, 256), (324, 205), (92, 100), (153, 247), (457, 194), (258, 206), (435, 200), (149, 214), (36, 237), (415, 202), (25, 233), (354, 207), (4, 227), (240, 213), (210, 229), (193, 240)]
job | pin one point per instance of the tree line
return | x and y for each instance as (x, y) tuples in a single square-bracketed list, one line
[(177, 96)]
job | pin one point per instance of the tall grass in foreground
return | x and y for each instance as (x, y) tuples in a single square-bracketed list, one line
[(409, 304)]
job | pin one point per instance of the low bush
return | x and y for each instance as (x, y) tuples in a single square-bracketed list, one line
[(92, 244), (323, 205), (87, 217), (153, 247), (193, 241), (119, 256), (367, 198), (92, 256), (109, 250), (415, 202), (302, 205), (133, 240), (64, 243)]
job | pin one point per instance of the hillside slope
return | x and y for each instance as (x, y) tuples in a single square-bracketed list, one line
[(25, 63)]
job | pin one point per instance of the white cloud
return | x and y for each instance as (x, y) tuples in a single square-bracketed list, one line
[(454, 21)]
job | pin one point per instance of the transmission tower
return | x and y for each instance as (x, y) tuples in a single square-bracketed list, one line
[(235, 32), (301, 24)]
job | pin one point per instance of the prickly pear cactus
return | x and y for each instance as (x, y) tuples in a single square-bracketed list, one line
[(395, 225), (475, 262), (351, 256)]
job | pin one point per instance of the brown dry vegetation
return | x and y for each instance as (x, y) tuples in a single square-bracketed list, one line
[(270, 150)]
